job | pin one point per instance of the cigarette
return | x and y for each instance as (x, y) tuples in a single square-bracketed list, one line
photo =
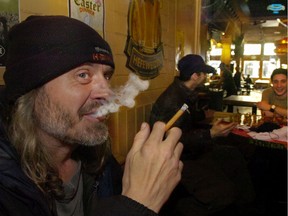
[(176, 116)]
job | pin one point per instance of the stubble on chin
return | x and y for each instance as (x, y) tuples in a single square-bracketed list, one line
[(56, 121)]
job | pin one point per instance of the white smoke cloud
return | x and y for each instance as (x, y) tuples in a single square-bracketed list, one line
[(124, 96)]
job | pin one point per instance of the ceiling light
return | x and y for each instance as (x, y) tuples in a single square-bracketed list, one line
[(275, 8)]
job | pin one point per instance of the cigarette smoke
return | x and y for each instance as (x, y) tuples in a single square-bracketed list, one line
[(123, 96)]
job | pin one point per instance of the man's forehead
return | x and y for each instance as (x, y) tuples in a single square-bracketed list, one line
[(279, 77)]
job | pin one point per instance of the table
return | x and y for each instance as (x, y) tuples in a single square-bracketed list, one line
[(261, 84), (242, 100)]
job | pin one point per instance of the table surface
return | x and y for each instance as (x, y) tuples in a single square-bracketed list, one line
[(243, 100), (262, 81)]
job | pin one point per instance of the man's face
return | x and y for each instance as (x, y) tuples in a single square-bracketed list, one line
[(64, 106), (201, 78), (279, 84)]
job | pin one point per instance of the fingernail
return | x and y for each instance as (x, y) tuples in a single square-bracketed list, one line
[(143, 125)]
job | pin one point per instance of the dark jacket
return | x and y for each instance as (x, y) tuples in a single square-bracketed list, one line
[(237, 79), (228, 83), (20, 196), (195, 141)]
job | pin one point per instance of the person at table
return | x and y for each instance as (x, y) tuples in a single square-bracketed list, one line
[(206, 176), (248, 79), (55, 153), (227, 80), (274, 99), (248, 83), (237, 78)]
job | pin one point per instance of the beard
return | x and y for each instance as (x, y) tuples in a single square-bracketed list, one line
[(57, 122)]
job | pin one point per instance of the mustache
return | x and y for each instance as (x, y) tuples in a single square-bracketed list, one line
[(91, 107), (122, 96)]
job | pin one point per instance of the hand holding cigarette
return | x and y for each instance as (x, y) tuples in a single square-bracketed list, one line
[(176, 116), (151, 183)]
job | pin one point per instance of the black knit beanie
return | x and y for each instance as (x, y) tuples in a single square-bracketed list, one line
[(42, 48)]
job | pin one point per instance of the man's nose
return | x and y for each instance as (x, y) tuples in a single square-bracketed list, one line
[(277, 84), (100, 88)]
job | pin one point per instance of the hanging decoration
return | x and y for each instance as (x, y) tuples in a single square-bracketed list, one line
[(144, 47)]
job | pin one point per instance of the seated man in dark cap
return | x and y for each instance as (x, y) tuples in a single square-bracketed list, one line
[(207, 174), (55, 154)]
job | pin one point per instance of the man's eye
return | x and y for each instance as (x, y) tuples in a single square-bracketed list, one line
[(108, 75), (83, 75)]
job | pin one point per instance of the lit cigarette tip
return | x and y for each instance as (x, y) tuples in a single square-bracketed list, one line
[(176, 116)]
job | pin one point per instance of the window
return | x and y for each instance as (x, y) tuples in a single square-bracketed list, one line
[(269, 49), (268, 67), (256, 56), (252, 49), (251, 68), (215, 64), (216, 52)]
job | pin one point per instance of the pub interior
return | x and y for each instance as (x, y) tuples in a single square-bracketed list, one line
[(250, 35)]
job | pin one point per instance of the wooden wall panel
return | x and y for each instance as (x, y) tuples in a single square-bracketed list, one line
[(131, 127)]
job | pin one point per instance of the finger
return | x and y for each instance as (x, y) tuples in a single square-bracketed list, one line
[(230, 125), (218, 121), (172, 138), (228, 130), (181, 165), (141, 137), (178, 150), (179, 171), (157, 133)]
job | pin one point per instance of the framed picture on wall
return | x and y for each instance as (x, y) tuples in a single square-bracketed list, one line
[(9, 16), (90, 12)]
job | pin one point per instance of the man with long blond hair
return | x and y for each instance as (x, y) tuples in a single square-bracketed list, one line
[(55, 156)]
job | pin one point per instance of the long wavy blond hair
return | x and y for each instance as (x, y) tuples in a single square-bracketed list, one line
[(35, 159)]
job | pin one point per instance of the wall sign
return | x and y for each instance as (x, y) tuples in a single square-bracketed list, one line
[(144, 48), (90, 12)]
